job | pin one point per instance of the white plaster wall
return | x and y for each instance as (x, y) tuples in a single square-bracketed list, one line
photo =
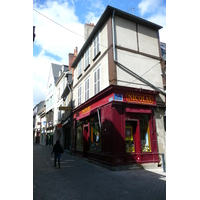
[(125, 33), (147, 68), (51, 92), (148, 40), (160, 131), (103, 63)]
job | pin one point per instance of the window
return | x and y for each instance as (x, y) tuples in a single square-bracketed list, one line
[(87, 89), (97, 81), (96, 46), (87, 58), (145, 134), (79, 68), (95, 135), (130, 131), (79, 137), (79, 95)]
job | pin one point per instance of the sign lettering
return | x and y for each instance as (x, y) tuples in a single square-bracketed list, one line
[(86, 110), (140, 98)]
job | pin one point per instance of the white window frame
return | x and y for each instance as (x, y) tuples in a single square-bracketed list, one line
[(79, 68), (87, 58), (87, 88), (79, 94), (97, 83), (96, 45)]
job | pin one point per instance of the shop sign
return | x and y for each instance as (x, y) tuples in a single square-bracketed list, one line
[(139, 98), (59, 125), (85, 110)]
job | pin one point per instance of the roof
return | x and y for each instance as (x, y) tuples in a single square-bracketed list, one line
[(56, 68), (106, 14), (41, 105)]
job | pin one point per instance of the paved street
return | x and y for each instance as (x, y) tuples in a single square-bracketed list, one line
[(80, 179)]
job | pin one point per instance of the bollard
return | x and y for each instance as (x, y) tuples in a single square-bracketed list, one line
[(163, 158)]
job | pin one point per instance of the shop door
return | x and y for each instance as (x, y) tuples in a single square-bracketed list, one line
[(131, 136)]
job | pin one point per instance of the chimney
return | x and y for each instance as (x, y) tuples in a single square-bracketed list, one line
[(72, 57), (88, 29)]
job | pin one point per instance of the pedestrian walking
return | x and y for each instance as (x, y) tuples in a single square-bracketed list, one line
[(57, 150)]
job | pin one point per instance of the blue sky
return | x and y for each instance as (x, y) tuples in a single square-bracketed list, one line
[(52, 43)]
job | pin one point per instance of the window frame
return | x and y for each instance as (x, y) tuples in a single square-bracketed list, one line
[(95, 91), (96, 43), (79, 94), (79, 68), (87, 58), (87, 90)]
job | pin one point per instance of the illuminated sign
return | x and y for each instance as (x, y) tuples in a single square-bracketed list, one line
[(87, 109), (139, 98)]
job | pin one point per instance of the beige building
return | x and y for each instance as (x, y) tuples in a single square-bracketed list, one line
[(124, 51)]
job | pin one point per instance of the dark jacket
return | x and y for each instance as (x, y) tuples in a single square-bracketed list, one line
[(57, 148)]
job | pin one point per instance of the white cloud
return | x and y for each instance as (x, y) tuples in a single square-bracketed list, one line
[(90, 17), (160, 19), (148, 6), (53, 39), (41, 66), (96, 9)]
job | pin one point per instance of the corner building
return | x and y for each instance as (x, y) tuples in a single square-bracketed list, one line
[(118, 93)]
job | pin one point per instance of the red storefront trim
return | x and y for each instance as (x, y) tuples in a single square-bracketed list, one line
[(118, 104)]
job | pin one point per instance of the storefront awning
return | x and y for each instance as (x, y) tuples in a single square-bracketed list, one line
[(68, 120)]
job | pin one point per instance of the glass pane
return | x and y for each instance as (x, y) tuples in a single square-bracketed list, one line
[(79, 143), (145, 134), (129, 139), (95, 136)]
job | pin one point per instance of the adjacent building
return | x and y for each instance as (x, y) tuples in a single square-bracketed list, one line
[(42, 115), (37, 122), (51, 101)]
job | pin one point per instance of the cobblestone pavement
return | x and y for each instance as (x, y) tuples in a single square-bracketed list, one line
[(80, 179)]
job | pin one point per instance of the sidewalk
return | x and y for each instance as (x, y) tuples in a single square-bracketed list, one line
[(80, 179)]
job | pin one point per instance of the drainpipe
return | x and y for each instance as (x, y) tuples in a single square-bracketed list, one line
[(113, 31), (125, 68)]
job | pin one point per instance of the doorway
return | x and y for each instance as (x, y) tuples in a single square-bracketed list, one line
[(131, 128)]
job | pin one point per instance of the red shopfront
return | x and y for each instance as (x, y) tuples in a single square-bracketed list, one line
[(117, 127)]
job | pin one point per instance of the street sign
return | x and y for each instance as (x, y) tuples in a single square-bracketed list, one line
[(65, 108)]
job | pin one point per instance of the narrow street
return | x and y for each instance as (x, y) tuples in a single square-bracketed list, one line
[(80, 179)]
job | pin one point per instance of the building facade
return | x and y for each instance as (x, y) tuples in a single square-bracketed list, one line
[(37, 122), (51, 102), (118, 94), (42, 115), (59, 115)]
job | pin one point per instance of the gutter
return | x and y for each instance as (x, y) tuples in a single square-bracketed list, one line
[(125, 68)]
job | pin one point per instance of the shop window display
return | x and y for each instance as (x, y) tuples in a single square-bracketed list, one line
[(79, 137), (145, 134), (129, 140), (95, 136)]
